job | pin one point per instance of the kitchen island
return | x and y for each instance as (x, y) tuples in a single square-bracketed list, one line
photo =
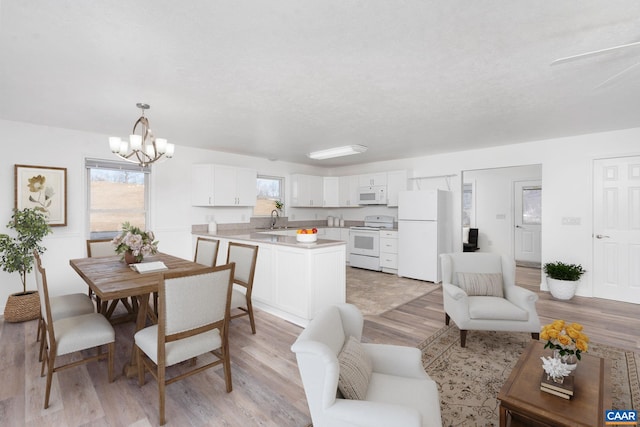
[(293, 280)]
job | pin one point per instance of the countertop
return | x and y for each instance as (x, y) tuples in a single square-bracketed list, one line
[(263, 236)]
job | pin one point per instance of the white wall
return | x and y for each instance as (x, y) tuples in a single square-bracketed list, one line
[(566, 174)]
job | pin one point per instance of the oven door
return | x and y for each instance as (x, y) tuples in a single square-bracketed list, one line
[(365, 242)]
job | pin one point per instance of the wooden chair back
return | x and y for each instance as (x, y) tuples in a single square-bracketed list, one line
[(245, 256), (98, 248)]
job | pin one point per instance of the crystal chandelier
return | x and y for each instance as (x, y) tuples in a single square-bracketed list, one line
[(142, 148)]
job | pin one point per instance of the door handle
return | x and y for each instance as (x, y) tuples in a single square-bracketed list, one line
[(519, 226), (601, 236)]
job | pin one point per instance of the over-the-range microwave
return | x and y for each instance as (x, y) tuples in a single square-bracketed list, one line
[(372, 195)]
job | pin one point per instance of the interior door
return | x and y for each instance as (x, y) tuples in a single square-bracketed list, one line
[(528, 222), (616, 229)]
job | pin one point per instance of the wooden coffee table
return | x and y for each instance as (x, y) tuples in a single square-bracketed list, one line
[(523, 403)]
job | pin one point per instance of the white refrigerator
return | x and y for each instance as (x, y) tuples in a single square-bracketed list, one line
[(424, 232)]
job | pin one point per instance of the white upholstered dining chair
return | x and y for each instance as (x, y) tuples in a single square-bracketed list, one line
[(480, 293), (71, 334), (193, 319), (348, 383), (245, 257), (206, 251)]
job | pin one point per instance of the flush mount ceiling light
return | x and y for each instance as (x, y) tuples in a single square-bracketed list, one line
[(347, 150), (143, 148)]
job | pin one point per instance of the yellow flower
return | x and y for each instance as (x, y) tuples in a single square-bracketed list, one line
[(576, 326), (582, 345), (544, 334), (553, 333), (557, 325), (583, 337), (573, 333), (36, 183), (564, 340)]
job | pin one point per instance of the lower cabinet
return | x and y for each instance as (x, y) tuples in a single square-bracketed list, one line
[(294, 283), (389, 251)]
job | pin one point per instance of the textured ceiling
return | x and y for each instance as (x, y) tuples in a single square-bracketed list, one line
[(279, 78)]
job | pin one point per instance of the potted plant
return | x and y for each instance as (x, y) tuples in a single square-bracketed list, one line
[(16, 255), (563, 279)]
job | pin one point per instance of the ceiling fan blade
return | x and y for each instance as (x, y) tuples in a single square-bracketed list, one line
[(615, 76), (593, 53)]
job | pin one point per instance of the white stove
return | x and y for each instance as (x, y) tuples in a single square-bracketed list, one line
[(364, 242)]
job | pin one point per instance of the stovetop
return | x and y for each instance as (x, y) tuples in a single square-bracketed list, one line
[(376, 222)]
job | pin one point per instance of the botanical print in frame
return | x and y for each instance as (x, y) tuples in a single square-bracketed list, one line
[(43, 188)]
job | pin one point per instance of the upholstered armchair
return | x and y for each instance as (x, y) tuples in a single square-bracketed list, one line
[(396, 391), (480, 293)]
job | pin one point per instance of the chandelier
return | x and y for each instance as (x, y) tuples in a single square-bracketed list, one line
[(142, 148)]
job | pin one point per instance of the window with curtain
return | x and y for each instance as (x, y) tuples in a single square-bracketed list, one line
[(117, 192)]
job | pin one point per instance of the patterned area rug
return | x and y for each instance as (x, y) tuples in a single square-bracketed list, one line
[(374, 292), (470, 378)]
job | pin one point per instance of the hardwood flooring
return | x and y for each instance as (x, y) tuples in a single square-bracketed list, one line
[(267, 390)]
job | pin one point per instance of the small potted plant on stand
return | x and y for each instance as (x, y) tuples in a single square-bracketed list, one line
[(563, 279), (16, 254)]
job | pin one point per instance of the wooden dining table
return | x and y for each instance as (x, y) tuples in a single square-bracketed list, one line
[(110, 278)]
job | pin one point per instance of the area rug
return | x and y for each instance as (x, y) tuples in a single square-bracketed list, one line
[(375, 293), (470, 378)]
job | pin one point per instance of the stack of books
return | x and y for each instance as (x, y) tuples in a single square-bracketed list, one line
[(564, 390)]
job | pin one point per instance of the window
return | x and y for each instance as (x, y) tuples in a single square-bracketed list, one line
[(532, 206), (270, 189), (116, 193), (468, 209)]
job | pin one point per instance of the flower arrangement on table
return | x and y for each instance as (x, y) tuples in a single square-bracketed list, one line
[(568, 339), (135, 241)]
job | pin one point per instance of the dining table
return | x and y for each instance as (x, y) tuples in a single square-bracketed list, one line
[(110, 278)]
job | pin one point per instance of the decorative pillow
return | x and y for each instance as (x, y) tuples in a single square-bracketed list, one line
[(355, 370), (481, 284)]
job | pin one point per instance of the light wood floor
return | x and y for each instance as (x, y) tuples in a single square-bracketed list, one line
[(267, 388)]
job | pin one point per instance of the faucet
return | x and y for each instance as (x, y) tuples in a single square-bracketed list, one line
[(274, 218)]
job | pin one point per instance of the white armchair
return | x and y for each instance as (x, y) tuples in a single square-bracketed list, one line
[(399, 393), (514, 311)]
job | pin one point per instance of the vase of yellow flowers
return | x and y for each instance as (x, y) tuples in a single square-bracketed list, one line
[(566, 340), (134, 244)]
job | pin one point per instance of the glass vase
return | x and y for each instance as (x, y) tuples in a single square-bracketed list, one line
[(569, 359)]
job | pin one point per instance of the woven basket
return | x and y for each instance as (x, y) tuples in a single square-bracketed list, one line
[(22, 307)]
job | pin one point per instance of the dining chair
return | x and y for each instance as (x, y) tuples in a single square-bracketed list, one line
[(206, 251), (245, 256), (71, 335), (99, 248), (193, 319)]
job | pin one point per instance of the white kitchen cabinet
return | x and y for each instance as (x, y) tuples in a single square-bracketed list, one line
[(373, 179), (219, 185), (330, 190), (234, 186), (306, 191), (389, 251), (348, 191), (202, 185), (396, 182)]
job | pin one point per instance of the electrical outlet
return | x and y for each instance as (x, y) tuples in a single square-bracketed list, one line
[(242, 218), (501, 216), (571, 220)]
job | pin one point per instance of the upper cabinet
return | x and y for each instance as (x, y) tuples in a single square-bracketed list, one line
[(234, 186), (218, 185), (373, 179), (331, 190), (306, 191), (396, 182), (348, 191)]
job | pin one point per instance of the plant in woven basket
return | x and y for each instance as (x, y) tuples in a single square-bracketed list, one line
[(16, 253)]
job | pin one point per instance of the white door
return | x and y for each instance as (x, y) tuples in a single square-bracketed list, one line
[(616, 229), (528, 222)]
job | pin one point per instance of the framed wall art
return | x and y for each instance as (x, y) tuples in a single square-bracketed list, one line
[(43, 188)]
